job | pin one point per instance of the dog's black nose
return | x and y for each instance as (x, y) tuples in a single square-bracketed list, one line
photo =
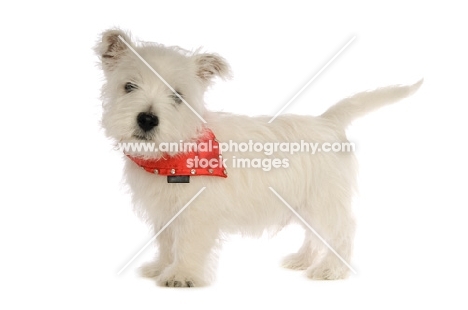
[(147, 121)]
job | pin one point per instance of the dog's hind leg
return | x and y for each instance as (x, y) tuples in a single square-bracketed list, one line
[(339, 236), (305, 256)]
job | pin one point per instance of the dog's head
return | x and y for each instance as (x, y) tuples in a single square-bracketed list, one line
[(152, 92)]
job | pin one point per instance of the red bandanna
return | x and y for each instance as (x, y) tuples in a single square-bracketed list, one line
[(205, 160)]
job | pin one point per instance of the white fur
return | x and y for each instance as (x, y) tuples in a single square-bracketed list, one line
[(319, 187)]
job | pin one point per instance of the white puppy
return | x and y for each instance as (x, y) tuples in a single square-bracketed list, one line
[(140, 107)]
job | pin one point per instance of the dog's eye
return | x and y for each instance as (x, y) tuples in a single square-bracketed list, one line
[(177, 98), (129, 87)]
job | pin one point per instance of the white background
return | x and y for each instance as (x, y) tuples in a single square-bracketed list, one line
[(66, 222)]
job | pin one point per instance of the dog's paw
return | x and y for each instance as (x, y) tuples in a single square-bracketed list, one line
[(177, 278), (151, 270), (326, 272), (176, 281), (296, 261)]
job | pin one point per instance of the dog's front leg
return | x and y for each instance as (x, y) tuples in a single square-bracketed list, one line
[(164, 242), (195, 235)]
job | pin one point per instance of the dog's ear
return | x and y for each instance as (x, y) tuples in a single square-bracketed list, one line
[(211, 65), (112, 47)]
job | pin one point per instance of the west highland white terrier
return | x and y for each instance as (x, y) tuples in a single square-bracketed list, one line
[(270, 173)]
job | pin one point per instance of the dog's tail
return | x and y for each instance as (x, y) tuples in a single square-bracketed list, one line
[(347, 110)]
